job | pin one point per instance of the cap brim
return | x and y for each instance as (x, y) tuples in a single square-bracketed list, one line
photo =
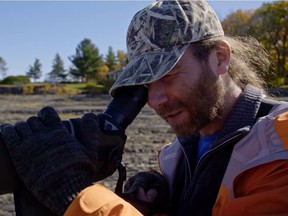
[(149, 67)]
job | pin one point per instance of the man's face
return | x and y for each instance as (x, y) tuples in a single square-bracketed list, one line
[(189, 97)]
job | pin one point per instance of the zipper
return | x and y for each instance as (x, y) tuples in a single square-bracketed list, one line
[(204, 158), (226, 142), (188, 168)]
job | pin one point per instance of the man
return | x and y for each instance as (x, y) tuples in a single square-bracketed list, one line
[(230, 154)]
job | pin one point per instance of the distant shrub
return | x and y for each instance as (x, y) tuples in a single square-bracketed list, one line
[(276, 82), (46, 88), (28, 89), (11, 80), (62, 89), (107, 83)]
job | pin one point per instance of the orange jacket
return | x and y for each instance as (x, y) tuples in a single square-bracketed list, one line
[(256, 179), (98, 200)]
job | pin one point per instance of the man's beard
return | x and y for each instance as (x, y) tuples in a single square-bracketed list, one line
[(204, 103)]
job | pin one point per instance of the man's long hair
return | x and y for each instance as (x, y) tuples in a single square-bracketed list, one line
[(249, 59)]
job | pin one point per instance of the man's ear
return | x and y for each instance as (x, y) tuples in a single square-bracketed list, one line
[(219, 58)]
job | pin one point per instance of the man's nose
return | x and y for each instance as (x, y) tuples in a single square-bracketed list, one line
[(157, 95)]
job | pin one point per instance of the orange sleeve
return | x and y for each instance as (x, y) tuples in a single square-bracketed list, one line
[(98, 200), (262, 190)]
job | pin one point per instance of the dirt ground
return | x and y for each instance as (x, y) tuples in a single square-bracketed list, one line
[(145, 136)]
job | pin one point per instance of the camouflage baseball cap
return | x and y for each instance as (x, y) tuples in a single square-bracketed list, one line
[(159, 34)]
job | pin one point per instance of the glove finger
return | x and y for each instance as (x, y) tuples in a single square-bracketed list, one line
[(23, 129), (9, 133), (49, 116), (35, 123), (90, 127)]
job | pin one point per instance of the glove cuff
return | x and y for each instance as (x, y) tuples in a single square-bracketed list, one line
[(61, 193)]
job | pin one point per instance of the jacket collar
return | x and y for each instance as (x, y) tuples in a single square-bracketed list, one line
[(244, 112)]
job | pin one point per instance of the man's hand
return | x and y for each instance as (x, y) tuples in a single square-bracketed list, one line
[(52, 163), (105, 146), (148, 192)]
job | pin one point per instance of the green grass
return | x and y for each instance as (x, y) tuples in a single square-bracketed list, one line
[(86, 87), (77, 86)]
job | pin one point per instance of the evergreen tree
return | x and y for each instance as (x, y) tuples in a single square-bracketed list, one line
[(87, 61), (34, 71), (111, 60), (3, 67), (58, 71)]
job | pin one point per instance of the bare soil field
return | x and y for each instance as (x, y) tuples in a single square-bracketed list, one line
[(145, 136)]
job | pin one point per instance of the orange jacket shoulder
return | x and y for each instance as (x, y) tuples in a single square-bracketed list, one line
[(261, 190), (99, 200)]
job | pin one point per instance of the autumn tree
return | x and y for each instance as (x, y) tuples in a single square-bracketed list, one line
[(237, 23), (58, 71), (122, 58), (3, 67), (86, 62), (34, 71), (270, 25), (102, 72)]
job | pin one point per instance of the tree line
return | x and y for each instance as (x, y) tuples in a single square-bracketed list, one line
[(269, 24), (88, 65)]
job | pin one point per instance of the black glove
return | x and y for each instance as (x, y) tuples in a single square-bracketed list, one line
[(106, 145), (52, 163), (147, 181)]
